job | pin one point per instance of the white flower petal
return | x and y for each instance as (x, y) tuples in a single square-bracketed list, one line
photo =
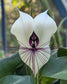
[(41, 58), (26, 56), (44, 27), (35, 60), (22, 28)]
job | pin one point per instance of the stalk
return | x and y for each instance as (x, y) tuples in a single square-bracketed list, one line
[(59, 39), (38, 78), (50, 13), (58, 32), (33, 79)]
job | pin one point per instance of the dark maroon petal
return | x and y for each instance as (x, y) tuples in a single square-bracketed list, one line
[(33, 40)]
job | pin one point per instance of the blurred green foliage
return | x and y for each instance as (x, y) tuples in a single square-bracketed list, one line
[(56, 68), (1, 54), (18, 4)]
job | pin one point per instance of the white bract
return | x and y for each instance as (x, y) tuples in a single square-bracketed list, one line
[(33, 35)]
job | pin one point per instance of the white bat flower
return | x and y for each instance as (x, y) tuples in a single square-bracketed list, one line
[(33, 35)]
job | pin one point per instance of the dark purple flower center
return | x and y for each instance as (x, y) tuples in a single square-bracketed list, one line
[(33, 40)]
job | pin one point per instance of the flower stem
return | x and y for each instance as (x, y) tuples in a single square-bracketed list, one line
[(48, 7), (33, 79), (59, 39), (37, 78), (55, 43), (50, 13), (31, 6)]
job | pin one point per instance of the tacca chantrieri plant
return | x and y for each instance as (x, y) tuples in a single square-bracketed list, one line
[(33, 35)]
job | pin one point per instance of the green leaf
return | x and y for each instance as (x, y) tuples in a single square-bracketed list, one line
[(55, 68), (14, 79), (61, 75), (62, 52), (8, 65), (46, 80), (13, 65), (23, 70), (63, 82)]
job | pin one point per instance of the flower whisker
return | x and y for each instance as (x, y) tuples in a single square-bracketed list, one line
[(45, 50), (44, 44), (29, 55), (22, 43), (28, 59), (12, 47), (33, 62), (44, 55), (23, 53), (24, 48), (41, 58), (37, 61)]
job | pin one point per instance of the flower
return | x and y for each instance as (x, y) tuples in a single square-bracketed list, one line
[(33, 35)]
